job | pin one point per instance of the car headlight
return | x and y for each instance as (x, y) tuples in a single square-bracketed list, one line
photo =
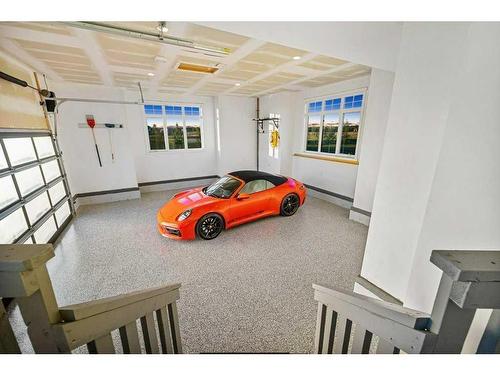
[(184, 215)]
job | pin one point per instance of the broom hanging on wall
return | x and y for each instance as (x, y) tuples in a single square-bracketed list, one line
[(91, 124)]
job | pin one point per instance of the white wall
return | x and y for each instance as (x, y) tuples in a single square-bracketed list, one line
[(463, 206), (172, 164), (133, 162), (373, 44), (372, 142), (283, 104), (237, 133), (79, 154), (428, 67), (439, 182), (339, 178)]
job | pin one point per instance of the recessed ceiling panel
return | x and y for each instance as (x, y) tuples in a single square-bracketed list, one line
[(282, 51), (323, 63), (207, 35), (282, 78), (47, 27), (338, 76), (49, 47), (215, 86)]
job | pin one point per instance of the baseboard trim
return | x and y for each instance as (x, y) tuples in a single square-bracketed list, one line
[(104, 192), (149, 183), (360, 216), (331, 193), (379, 292), (360, 211)]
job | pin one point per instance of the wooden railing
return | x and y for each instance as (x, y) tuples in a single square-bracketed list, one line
[(53, 329), (352, 323)]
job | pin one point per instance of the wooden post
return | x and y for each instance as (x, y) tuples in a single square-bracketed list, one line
[(449, 321), (174, 327), (23, 275), (8, 342), (470, 281)]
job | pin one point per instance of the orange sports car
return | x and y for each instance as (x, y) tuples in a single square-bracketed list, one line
[(237, 198)]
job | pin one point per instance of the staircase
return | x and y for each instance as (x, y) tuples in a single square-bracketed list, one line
[(54, 329), (352, 323), (346, 322)]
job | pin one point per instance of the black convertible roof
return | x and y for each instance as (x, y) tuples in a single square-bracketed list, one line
[(248, 176)]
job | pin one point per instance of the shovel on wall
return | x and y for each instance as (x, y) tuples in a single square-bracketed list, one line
[(111, 126)]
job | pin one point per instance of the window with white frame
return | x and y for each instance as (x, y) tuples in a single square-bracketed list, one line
[(173, 127), (332, 124), (271, 126), (34, 194)]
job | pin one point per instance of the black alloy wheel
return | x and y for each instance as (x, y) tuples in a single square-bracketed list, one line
[(290, 204), (209, 226)]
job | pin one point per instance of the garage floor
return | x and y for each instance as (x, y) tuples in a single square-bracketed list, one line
[(249, 290)]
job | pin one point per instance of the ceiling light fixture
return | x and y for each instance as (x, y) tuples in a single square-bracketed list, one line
[(237, 84), (296, 57), (151, 74)]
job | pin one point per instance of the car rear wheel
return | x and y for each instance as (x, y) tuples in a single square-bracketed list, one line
[(209, 226), (290, 204)]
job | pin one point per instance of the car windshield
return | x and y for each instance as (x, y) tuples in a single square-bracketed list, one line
[(222, 188)]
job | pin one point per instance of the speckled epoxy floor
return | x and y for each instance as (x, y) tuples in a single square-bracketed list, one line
[(249, 290)]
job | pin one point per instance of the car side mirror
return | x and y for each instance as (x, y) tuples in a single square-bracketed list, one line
[(243, 196)]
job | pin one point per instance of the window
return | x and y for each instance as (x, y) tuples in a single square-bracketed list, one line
[(156, 133), (173, 127), (255, 186), (313, 128), (271, 126), (332, 125), (193, 127), (34, 197)]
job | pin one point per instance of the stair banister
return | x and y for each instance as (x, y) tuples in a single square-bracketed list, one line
[(470, 281), (24, 276), (53, 329)]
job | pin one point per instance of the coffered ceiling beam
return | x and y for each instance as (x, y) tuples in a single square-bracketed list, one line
[(93, 51)]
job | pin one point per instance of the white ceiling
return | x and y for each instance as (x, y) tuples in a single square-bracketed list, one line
[(252, 68)]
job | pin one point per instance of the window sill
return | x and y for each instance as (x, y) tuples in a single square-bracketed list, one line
[(335, 159), (176, 150)]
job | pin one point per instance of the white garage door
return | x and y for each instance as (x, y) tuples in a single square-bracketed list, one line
[(34, 194)]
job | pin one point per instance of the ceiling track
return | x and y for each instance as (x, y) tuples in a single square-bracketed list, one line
[(151, 37)]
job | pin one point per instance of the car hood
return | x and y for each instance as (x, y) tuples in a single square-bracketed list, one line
[(183, 201)]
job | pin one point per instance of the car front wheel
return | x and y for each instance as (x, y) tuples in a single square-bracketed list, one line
[(209, 226)]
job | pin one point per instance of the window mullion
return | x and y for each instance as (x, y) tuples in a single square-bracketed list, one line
[(339, 132), (165, 128), (44, 179), (306, 129), (184, 128), (321, 124)]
